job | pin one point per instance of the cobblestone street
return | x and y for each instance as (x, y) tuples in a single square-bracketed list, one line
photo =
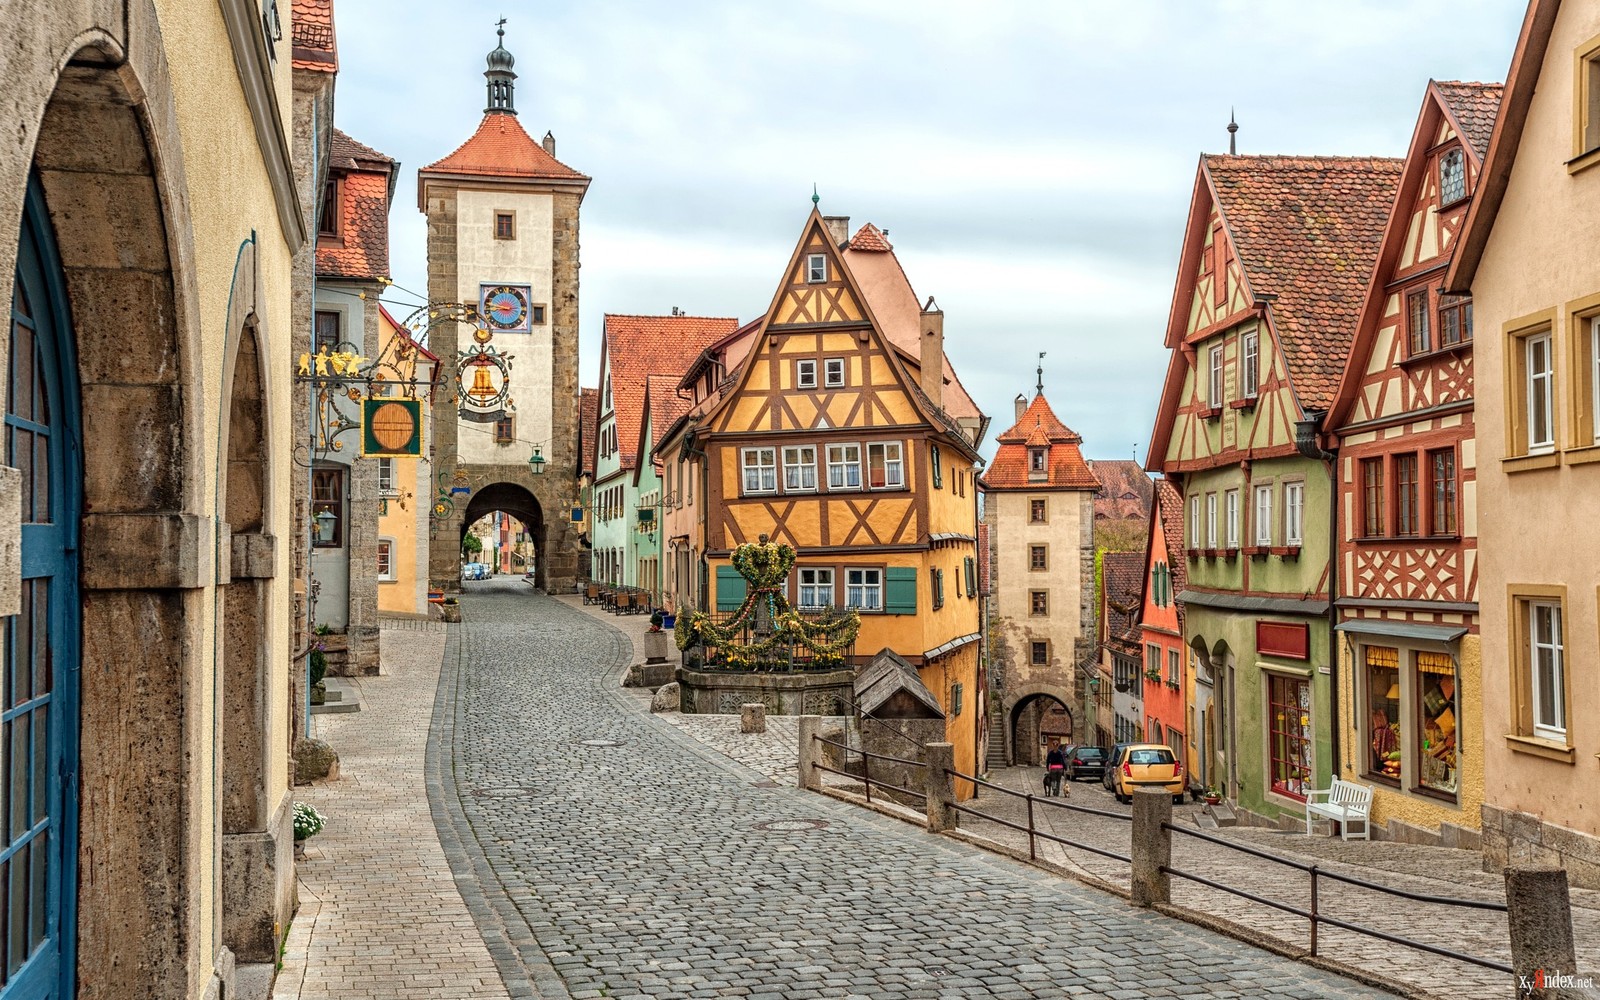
[(606, 854)]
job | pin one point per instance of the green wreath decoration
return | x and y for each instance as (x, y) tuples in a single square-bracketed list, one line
[(765, 566)]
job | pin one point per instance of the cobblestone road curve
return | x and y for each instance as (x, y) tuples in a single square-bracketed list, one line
[(606, 853)]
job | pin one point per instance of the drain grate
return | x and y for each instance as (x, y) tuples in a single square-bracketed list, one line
[(790, 825), (764, 784), (600, 743), (504, 791)]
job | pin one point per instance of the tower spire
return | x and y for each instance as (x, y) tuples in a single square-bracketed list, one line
[(1038, 389), (1233, 130), (502, 81)]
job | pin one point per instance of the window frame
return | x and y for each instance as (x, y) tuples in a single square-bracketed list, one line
[(1530, 380), (386, 575), (505, 430), (510, 217), (815, 587), (799, 465), (936, 466), (1214, 387), (337, 475), (844, 465), (1038, 461), (332, 206), (1211, 520), (1304, 740), (1039, 652), (1449, 524), (1373, 523), (1418, 314), (936, 581), (318, 341), (802, 368), (1038, 511), (1460, 307), (828, 380), (1263, 516), (1407, 512), (1544, 730), (1250, 364), (1038, 558), (1230, 504), (759, 468), (1455, 155), (816, 269), (1196, 526), (898, 464), (1294, 512), (1038, 603), (386, 485), (864, 587)]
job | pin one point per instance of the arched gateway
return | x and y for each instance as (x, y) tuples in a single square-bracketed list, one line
[(519, 503)]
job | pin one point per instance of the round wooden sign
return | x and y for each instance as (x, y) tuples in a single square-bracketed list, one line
[(392, 427)]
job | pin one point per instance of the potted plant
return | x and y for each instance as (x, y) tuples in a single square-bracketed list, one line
[(307, 824), (1212, 796), (452, 609)]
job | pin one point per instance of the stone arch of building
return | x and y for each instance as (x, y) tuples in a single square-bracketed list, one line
[(103, 131), (1022, 730), (517, 502)]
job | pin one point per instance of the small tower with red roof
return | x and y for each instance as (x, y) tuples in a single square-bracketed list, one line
[(1039, 505), (503, 237)]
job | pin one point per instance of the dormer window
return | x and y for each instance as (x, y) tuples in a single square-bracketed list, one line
[(1038, 459), (332, 211), (816, 268), (1452, 177)]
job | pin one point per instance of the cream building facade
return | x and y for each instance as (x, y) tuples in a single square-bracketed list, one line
[(1532, 265)]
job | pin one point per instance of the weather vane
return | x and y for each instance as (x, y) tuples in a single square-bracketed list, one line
[(1039, 388)]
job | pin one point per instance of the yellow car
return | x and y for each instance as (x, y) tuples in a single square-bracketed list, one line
[(1147, 765)]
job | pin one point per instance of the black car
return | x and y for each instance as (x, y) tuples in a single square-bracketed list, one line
[(1085, 762), (1113, 758)]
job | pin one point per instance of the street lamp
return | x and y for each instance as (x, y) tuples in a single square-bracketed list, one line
[(536, 461), (325, 521)]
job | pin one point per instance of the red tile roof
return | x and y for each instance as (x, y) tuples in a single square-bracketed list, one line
[(1039, 427), (588, 427), (311, 39), (1307, 229), (361, 250), (501, 148), (871, 239), (1125, 490), (1122, 577), (636, 347), (1474, 107), (1169, 507), (666, 406)]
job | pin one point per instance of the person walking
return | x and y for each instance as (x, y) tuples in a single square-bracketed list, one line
[(1055, 768)]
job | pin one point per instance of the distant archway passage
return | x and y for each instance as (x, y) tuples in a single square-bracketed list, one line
[(1037, 722), (514, 501)]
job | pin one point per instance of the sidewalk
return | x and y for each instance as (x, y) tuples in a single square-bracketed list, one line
[(380, 917)]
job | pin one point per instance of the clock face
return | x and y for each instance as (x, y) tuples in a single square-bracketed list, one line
[(505, 307)]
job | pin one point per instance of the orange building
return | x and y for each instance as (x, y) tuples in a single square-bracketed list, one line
[(1166, 695)]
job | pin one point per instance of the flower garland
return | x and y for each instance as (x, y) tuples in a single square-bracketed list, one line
[(765, 566)]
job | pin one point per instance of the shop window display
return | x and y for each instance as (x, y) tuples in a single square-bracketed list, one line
[(1436, 722), (1291, 736), (1383, 725)]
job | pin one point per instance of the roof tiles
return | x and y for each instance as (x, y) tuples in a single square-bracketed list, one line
[(1169, 508), (1125, 490), (871, 239), (502, 148), (361, 248), (637, 347), (588, 426), (666, 406), (1307, 230), (1038, 427), (1122, 574), (1474, 106), (311, 38)]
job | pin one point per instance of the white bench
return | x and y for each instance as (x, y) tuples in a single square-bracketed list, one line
[(1344, 801)]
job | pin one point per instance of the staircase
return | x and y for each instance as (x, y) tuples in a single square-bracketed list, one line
[(996, 757)]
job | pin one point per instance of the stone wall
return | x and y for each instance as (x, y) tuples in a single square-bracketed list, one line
[(709, 692), (1522, 839)]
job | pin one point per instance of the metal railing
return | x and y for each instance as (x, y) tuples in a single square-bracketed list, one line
[(1031, 829), (865, 777), (1317, 917)]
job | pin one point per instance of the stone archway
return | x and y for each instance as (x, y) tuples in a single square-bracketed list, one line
[(1029, 714), (146, 547), (517, 502)]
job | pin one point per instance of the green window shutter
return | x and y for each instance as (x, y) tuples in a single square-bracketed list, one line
[(730, 589), (938, 470), (972, 576), (900, 590)]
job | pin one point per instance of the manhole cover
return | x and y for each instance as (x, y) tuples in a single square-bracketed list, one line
[(600, 743), (503, 791), (790, 825), (764, 784)]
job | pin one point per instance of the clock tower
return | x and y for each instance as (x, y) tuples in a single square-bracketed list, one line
[(503, 237)]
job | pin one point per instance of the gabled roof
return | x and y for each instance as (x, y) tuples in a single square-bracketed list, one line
[(1459, 103), (588, 428), (1522, 80), (1122, 577), (665, 407), (1167, 517), (636, 347), (401, 331), (1039, 427), (872, 239), (501, 149), (1306, 229), (1473, 108), (1125, 489), (887, 675), (366, 188), (312, 44)]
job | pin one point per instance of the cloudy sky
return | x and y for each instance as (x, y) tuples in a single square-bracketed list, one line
[(1032, 165)]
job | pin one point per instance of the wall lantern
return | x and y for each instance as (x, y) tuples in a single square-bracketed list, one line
[(536, 461), (325, 523)]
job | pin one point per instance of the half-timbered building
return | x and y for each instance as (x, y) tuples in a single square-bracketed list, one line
[(1166, 692), (837, 426), (1275, 258), (1410, 669)]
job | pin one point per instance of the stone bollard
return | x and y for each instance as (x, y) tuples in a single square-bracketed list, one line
[(1539, 914), (810, 753), (939, 759), (1152, 846), (753, 718)]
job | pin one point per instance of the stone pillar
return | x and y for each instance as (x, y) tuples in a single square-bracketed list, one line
[(810, 753), (1539, 914), (753, 718), (1152, 846), (939, 759)]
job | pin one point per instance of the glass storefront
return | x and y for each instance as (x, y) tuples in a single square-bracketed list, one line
[(1437, 715), (1290, 735), (1383, 713)]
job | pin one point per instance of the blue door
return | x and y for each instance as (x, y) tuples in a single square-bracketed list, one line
[(38, 689)]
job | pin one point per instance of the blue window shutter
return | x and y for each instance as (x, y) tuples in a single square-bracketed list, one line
[(900, 590), (730, 589)]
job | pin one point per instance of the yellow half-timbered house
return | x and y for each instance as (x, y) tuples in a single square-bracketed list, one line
[(841, 430)]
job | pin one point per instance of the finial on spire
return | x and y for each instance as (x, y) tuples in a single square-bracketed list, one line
[(1233, 130), (1038, 390), (815, 198), (500, 76)]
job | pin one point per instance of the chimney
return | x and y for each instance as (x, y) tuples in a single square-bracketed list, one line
[(1021, 403), (931, 360), (838, 228), (549, 143)]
